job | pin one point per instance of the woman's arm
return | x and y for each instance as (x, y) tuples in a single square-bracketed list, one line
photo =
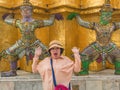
[(35, 64), (38, 52), (77, 63)]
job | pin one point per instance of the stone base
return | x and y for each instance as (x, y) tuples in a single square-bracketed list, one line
[(103, 80), (24, 81)]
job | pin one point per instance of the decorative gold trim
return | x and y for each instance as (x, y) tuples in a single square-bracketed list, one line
[(63, 8)]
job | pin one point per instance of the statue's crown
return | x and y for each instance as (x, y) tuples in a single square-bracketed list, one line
[(106, 7)]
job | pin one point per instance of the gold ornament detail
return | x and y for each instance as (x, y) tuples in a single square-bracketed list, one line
[(106, 7), (26, 3)]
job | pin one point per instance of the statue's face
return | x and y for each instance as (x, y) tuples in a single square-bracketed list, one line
[(26, 11), (105, 17)]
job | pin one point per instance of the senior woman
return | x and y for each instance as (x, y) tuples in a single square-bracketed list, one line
[(62, 66)]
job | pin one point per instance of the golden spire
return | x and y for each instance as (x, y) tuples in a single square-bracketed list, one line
[(107, 7), (26, 3), (107, 1)]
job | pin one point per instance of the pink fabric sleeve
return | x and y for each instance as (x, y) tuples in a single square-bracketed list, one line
[(37, 67), (40, 68)]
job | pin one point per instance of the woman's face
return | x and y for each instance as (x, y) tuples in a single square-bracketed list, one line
[(55, 52), (26, 11)]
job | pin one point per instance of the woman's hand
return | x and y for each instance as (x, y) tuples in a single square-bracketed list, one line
[(77, 62), (38, 52), (75, 50)]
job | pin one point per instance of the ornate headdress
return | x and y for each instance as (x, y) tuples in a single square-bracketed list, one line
[(26, 3), (106, 7)]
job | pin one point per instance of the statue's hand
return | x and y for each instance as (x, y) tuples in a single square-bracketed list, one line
[(71, 15), (58, 16), (3, 54), (10, 15)]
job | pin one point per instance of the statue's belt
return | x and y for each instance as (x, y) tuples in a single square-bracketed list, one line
[(105, 49)]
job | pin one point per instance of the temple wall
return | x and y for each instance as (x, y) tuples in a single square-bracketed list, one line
[(68, 32)]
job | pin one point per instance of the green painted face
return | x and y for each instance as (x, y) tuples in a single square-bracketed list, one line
[(105, 17)]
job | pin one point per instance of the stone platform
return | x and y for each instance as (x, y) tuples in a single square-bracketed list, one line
[(102, 80)]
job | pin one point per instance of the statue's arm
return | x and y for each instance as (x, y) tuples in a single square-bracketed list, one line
[(9, 18), (50, 21), (43, 23), (116, 25), (83, 23)]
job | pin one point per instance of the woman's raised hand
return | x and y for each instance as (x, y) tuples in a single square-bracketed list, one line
[(75, 50), (38, 52)]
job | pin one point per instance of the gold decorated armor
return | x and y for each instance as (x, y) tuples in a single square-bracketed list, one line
[(103, 33)]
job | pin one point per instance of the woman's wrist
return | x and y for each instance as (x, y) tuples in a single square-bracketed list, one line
[(35, 59), (36, 56), (76, 53)]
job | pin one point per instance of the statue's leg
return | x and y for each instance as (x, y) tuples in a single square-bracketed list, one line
[(115, 54), (12, 54), (117, 67), (13, 68), (86, 57), (11, 50), (85, 65)]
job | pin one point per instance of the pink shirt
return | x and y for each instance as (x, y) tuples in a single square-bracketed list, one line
[(63, 69)]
